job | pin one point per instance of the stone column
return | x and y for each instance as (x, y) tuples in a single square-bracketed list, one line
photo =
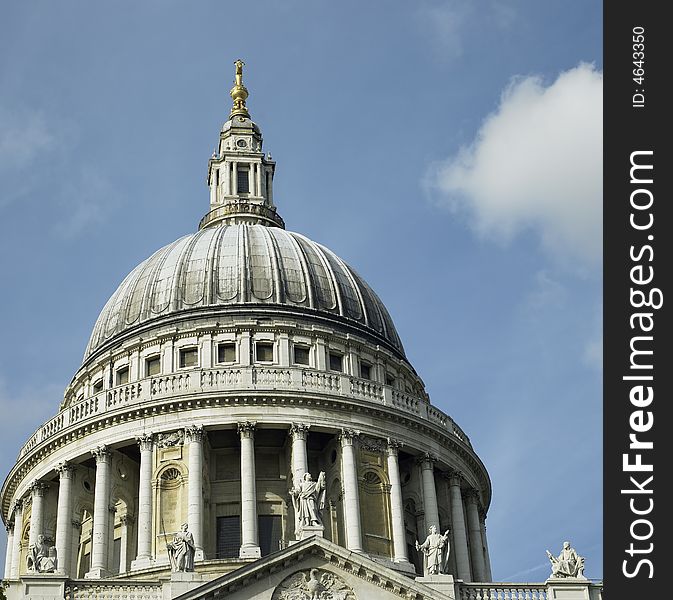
[(18, 530), (101, 514), (258, 179), (474, 528), (299, 432), (76, 535), (194, 437), (126, 522), (10, 548), (249, 534), (351, 491), (427, 463), (251, 179), (459, 534), (396, 506), (64, 517), (234, 178), (269, 191), (484, 540), (144, 557), (37, 491), (225, 170)]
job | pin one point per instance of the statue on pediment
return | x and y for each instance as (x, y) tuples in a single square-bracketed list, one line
[(41, 557), (308, 497), (181, 550)]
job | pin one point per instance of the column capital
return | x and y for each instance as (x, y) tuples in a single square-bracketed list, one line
[(471, 496), (194, 433), (348, 436), (102, 454), (16, 505), (482, 516), (246, 429), (65, 470), (9, 527), (426, 460), (38, 488), (393, 446), (145, 442), (453, 477), (299, 431), (126, 520)]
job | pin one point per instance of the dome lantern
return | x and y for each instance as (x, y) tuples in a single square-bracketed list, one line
[(240, 176)]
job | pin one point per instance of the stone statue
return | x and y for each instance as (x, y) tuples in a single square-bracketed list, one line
[(181, 551), (41, 557), (435, 551), (309, 499), (567, 564)]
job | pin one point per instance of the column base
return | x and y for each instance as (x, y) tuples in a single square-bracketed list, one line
[(142, 562), (310, 531), (250, 552), (96, 574), (441, 583), (199, 555), (182, 582)]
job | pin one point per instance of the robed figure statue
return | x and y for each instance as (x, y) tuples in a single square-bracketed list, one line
[(567, 564), (435, 551), (308, 497), (181, 550)]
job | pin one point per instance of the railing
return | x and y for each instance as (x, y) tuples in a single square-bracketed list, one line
[(503, 591), (112, 590), (233, 379)]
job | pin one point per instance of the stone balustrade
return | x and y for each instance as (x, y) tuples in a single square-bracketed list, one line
[(238, 379), (503, 591), (113, 590)]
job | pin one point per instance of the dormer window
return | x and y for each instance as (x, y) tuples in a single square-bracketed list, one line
[(242, 182)]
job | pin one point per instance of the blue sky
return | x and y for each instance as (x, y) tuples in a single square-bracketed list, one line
[(449, 151)]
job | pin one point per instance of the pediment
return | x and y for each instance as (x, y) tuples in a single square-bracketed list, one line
[(314, 569)]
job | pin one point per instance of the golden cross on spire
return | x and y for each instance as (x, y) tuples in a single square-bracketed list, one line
[(239, 93)]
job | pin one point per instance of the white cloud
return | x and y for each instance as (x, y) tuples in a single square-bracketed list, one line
[(535, 165), (22, 136)]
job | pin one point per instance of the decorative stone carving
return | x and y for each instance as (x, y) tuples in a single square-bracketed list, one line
[(166, 440), (566, 564), (313, 584), (372, 444), (393, 447), (41, 557), (348, 436), (299, 431), (308, 498), (435, 551), (37, 488), (181, 551), (101, 454), (146, 441), (246, 429), (194, 433)]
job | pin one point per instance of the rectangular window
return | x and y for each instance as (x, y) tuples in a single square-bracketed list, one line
[(98, 386), (152, 366), (122, 376), (264, 351), (228, 537), (226, 353), (390, 380), (301, 355), (336, 362), (270, 533), (189, 357), (242, 182), (365, 371)]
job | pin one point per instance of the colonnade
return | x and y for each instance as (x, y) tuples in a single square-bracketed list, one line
[(469, 544)]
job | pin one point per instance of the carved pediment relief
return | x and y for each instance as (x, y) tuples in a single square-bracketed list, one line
[(313, 584)]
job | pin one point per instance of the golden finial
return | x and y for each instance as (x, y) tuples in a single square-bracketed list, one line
[(239, 93)]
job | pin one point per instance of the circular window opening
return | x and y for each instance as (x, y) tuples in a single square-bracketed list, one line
[(87, 485), (406, 476)]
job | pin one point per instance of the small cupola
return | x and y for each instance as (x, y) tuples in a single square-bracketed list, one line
[(240, 176)]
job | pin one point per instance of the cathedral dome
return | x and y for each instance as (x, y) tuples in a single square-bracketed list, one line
[(243, 267)]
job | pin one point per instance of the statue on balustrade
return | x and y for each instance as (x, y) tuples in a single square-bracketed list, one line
[(181, 550), (567, 564), (435, 551), (308, 498), (41, 557)]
